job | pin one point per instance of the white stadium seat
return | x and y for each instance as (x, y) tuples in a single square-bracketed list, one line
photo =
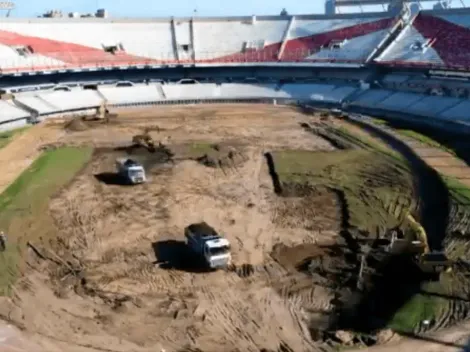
[(75, 99), (129, 95), (8, 111), (41, 44), (37, 104)]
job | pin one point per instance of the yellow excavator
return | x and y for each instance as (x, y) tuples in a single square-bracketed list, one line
[(429, 261)]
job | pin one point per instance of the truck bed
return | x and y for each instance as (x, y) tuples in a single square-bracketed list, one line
[(201, 230)]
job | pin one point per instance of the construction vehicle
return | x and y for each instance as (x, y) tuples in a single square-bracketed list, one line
[(204, 241), (429, 261), (131, 171), (145, 141)]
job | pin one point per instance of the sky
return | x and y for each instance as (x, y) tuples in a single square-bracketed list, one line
[(177, 8)]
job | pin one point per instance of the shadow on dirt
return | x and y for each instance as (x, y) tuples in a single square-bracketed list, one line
[(111, 178), (394, 281), (272, 172), (149, 158), (175, 255), (351, 242)]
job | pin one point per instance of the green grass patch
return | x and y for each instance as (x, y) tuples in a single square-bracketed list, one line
[(458, 191), (423, 139), (423, 306), (24, 205), (417, 136), (379, 121), (419, 308), (7, 136), (373, 184), (368, 141), (197, 149)]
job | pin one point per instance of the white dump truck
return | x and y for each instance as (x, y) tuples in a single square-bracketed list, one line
[(204, 241), (131, 171)]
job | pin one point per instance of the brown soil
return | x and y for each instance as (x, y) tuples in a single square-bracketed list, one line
[(76, 124), (102, 285), (103, 288)]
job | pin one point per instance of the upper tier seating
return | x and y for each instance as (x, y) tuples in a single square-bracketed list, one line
[(432, 40), (52, 44)]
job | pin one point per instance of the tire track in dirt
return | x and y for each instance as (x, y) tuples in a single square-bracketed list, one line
[(229, 311), (112, 229)]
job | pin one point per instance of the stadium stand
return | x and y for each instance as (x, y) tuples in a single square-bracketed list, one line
[(74, 100), (371, 97), (199, 91), (37, 104), (53, 44), (429, 106), (345, 47), (458, 112), (303, 92), (129, 95), (432, 39), (400, 101), (428, 109), (8, 111)]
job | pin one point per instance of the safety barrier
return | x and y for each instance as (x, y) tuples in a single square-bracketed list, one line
[(94, 62)]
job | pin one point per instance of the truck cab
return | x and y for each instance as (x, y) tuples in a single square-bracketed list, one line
[(131, 171), (203, 240)]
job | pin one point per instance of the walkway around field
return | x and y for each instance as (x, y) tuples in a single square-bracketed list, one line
[(441, 160)]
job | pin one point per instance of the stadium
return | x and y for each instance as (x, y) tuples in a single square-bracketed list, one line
[(330, 151)]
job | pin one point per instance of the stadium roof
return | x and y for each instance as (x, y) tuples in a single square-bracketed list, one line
[(339, 3)]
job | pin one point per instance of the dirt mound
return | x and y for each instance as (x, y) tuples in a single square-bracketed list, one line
[(297, 256), (220, 156), (208, 161), (76, 125)]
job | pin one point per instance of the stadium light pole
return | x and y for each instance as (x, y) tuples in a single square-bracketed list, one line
[(8, 6)]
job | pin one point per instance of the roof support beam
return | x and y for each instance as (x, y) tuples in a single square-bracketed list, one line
[(285, 38)]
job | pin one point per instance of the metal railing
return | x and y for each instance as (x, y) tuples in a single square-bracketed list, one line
[(96, 60)]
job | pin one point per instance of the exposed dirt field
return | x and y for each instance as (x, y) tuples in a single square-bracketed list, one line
[(123, 300), (300, 202)]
